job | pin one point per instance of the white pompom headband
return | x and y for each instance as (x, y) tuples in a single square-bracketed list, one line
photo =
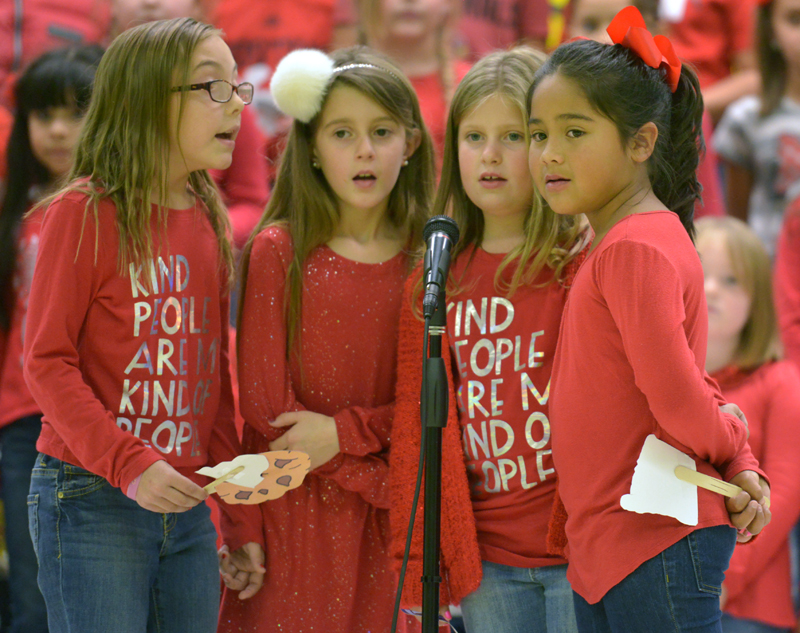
[(301, 80)]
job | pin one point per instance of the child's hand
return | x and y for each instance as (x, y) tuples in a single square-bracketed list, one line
[(244, 570), (749, 510), (163, 489), (311, 433), (733, 409)]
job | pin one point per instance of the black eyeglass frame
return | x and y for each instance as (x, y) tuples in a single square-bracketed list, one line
[(206, 85)]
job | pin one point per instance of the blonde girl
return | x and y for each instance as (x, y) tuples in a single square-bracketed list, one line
[(743, 357), (505, 297), (322, 282), (126, 348)]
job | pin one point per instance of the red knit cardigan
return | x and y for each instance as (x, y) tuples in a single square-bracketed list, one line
[(460, 565)]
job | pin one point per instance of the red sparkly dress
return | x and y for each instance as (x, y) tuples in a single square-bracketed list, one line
[(326, 542)]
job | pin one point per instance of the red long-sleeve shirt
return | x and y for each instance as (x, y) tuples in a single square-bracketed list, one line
[(630, 361), (759, 577), (128, 373), (326, 541), (786, 278)]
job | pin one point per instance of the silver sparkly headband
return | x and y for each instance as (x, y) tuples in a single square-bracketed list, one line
[(341, 69)]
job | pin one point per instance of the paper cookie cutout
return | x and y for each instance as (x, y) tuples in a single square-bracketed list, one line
[(263, 476), (656, 490)]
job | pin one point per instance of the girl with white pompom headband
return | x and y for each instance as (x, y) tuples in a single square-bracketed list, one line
[(322, 282)]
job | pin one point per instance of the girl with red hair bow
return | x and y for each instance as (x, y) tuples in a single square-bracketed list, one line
[(615, 135)]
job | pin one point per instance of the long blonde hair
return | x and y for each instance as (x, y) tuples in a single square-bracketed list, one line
[(759, 341), (303, 201), (550, 240), (123, 149)]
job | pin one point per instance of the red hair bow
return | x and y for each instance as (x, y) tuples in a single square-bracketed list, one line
[(628, 29)]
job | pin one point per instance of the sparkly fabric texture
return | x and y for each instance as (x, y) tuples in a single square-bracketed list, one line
[(326, 541)]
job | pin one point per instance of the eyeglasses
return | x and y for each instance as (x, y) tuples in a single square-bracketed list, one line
[(221, 91)]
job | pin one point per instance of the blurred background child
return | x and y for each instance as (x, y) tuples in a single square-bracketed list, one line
[(758, 138), (743, 352), (51, 97), (418, 37)]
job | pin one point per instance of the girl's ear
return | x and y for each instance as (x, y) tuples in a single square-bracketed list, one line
[(413, 140), (642, 144)]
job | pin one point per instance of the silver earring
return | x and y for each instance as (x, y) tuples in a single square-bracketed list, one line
[(315, 164), (405, 163)]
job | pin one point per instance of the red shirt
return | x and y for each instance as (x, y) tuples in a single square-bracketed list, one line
[(33, 27), (6, 122), (327, 540), (759, 579), (16, 401), (127, 374), (630, 361), (787, 282), (711, 34)]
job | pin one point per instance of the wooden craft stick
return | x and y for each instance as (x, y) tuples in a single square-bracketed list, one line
[(709, 483), (210, 488)]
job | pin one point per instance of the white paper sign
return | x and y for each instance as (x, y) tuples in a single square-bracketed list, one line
[(250, 477), (656, 490)]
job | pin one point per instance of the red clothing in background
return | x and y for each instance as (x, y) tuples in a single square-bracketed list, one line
[(128, 373), (326, 541), (787, 282), (711, 34), (259, 35), (488, 25), (244, 184), (713, 203), (6, 122), (31, 27), (758, 580), (16, 401), (434, 106), (630, 361), (498, 477)]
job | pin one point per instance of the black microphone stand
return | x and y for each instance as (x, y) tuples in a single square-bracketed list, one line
[(433, 404)]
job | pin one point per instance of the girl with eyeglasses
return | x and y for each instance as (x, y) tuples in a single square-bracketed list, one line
[(126, 349)]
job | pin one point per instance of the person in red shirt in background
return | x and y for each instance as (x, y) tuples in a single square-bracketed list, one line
[(417, 36), (508, 284), (51, 97), (787, 281), (590, 18), (126, 341), (614, 136), (716, 37), (244, 185), (261, 33), (29, 28), (743, 353), (488, 25), (321, 291)]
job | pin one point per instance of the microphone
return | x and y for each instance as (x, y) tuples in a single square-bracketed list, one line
[(440, 233)]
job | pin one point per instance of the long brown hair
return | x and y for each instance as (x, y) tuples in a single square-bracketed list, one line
[(123, 150), (771, 61), (303, 201)]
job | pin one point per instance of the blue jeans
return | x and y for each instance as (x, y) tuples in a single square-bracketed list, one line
[(107, 564), (18, 446), (520, 600), (731, 624), (676, 591)]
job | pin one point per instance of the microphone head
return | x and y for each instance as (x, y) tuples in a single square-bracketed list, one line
[(441, 224)]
